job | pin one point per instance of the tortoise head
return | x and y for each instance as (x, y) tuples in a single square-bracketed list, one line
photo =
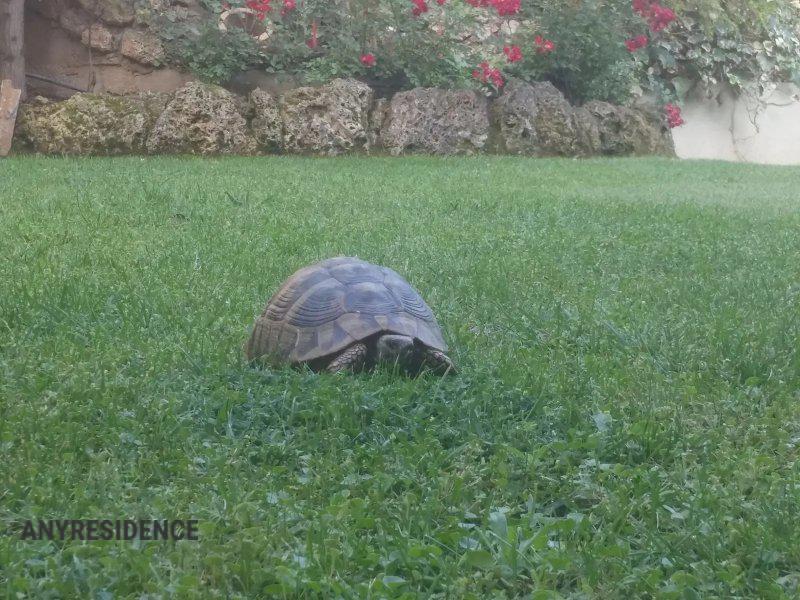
[(397, 350), (411, 355)]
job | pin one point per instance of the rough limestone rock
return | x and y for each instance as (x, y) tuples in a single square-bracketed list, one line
[(436, 121), (341, 117), (201, 119), (331, 119), (98, 124), (587, 132), (98, 38), (142, 47), (555, 129), (266, 123), (72, 21), (534, 119), (377, 116), (627, 131), (113, 12)]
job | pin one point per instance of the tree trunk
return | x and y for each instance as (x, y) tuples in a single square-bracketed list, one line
[(12, 58), (9, 102)]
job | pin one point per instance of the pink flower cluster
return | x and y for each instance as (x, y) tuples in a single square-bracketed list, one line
[(657, 16), (261, 8), (674, 117), (487, 74), (543, 46), (513, 53), (503, 7), (368, 59), (420, 6), (633, 44), (313, 42)]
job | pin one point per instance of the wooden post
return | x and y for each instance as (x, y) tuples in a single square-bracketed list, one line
[(9, 101), (12, 57)]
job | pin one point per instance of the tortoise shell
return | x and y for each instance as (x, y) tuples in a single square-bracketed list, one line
[(324, 308)]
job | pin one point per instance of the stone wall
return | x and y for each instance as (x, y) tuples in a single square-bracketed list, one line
[(108, 46), (96, 45), (341, 117)]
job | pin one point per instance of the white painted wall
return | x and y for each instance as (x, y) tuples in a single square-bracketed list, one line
[(742, 128)]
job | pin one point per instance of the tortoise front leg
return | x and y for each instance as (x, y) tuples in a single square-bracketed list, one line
[(438, 362), (352, 358)]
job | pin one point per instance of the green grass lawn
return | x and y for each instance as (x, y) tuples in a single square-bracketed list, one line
[(625, 424)]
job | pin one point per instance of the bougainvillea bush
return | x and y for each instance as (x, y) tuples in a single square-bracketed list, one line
[(590, 49), (589, 60)]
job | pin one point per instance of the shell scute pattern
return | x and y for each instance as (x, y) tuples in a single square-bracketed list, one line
[(321, 304), (324, 308), (408, 297), (292, 289), (370, 298), (350, 273)]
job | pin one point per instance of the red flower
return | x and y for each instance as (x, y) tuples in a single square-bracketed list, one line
[(660, 17), (260, 6), (441, 2), (674, 117), (288, 6), (543, 46), (633, 44), (642, 7), (487, 74), (420, 6), (312, 42), (505, 7), (513, 53), (368, 59)]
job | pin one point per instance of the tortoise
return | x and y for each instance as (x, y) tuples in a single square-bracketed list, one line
[(346, 314)]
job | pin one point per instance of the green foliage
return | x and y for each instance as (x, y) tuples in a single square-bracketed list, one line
[(590, 61), (428, 61), (322, 69), (625, 423), (734, 43), (712, 41), (213, 55), (407, 50)]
